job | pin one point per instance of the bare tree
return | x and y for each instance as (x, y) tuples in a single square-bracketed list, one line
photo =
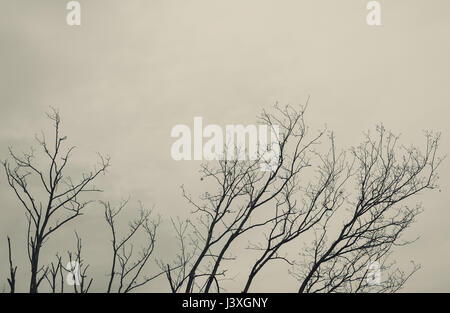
[(12, 270), (78, 269), (344, 212), (54, 273), (298, 209), (60, 203), (375, 218), (127, 269), (243, 192), (177, 273), (57, 194), (75, 271), (367, 223)]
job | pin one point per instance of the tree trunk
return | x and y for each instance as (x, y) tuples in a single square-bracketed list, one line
[(34, 270)]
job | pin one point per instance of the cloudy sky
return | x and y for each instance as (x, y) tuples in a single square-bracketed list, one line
[(134, 69)]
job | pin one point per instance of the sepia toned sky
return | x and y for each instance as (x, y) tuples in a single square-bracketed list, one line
[(134, 69)]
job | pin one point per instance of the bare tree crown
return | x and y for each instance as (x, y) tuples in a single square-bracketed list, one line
[(62, 201), (328, 214)]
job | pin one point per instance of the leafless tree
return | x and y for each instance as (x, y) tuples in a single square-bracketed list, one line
[(243, 191), (367, 223), (177, 273), (12, 270), (57, 194), (75, 271), (374, 219), (343, 211), (127, 269), (298, 209), (54, 273), (78, 269), (60, 201)]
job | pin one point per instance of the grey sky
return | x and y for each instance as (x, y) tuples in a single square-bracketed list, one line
[(134, 69)]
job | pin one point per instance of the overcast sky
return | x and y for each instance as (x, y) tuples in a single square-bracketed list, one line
[(134, 69)]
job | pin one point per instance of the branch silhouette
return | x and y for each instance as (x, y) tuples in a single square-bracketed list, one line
[(333, 217)]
